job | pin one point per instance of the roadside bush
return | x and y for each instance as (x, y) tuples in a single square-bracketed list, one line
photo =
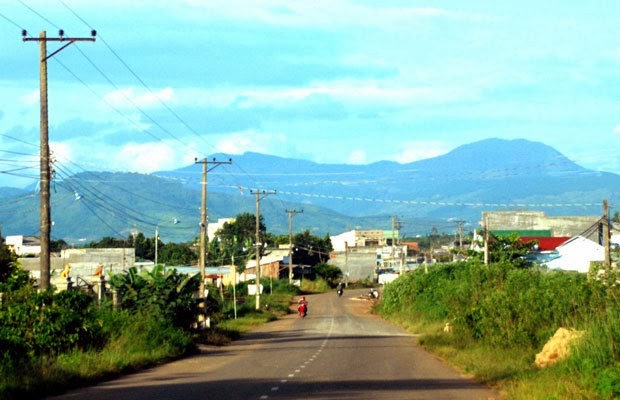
[(48, 323), (162, 293), (328, 272), (498, 304), (12, 275), (597, 356)]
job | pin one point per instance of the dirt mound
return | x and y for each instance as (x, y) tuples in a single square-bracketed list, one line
[(558, 347)]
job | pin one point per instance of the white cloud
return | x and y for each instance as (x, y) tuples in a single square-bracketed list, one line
[(329, 14), (147, 157), (60, 152), (241, 142), (419, 150), (357, 157), (616, 130), (31, 99), (130, 97)]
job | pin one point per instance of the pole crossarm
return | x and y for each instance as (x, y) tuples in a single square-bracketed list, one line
[(60, 38)]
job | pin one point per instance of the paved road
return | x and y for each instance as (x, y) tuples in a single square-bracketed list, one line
[(339, 351)]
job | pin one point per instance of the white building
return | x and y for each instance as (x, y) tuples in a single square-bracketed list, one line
[(576, 254), (23, 245), (359, 238), (213, 227)]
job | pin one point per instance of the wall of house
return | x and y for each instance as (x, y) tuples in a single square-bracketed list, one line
[(83, 262), (360, 265), (538, 220)]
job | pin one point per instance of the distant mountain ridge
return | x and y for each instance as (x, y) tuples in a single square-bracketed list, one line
[(486, 175)]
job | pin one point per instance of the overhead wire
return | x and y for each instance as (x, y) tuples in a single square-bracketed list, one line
[(294, 193), (135, 75)]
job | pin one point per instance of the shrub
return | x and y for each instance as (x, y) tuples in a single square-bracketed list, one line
[(163, 293)]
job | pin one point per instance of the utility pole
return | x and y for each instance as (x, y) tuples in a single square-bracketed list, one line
[(459, 234), (259, 195), (396, 228), (45, 174), (291, 213), (204, 219), (346, 263), (485, 226), (606, 234)]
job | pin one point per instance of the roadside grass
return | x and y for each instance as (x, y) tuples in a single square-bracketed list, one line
[(315, 286), (225, 330), (501, 317), (134, 342), (140, 343), (510, 371)]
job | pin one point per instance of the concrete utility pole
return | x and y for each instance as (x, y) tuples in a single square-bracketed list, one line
[(204, 219), (45, 213), (291, 213), (259, 195)]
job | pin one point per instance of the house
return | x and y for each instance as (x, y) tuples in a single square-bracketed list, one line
[(544, 243), (576, 254), (363, 238), (538, 223), (24, 246)]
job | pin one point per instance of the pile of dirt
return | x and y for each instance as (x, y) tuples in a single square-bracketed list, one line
[(558, 347)]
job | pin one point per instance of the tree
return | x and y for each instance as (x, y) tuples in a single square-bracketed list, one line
[(143, 246), (12, 276), (243, 228), (58, 245), (108, 242), (176, 254), (237, 238), (311, 249), (507, 248), (328, 272)]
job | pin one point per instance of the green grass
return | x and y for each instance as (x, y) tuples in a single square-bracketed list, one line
[(135, 341), (502, 316)]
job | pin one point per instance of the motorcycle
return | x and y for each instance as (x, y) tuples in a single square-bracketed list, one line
[(340, 291), (303, 310), (373, 294)]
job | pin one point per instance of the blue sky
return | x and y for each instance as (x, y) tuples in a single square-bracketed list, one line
[(328, 81)]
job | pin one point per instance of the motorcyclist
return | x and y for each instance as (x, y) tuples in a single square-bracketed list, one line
[(340, 289), (302, 306)]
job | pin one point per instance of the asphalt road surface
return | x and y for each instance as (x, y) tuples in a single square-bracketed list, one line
[(339, 351)]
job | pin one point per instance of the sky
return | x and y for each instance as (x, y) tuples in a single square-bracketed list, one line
[(330, 81)]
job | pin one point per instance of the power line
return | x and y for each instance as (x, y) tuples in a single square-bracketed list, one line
[(38, 14), (136, 76)]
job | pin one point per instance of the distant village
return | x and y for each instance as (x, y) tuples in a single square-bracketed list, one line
[(569, 243)]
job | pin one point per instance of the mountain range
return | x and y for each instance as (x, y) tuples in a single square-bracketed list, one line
[(434, 193)]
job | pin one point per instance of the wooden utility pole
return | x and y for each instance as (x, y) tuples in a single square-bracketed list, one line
[(485, 226), (291, 213), (346, 264), (606, 234), (461, 236), (259, 195), (204, 216), (45, 174)]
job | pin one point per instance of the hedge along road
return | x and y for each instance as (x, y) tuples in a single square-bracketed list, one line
[(339, 351)]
